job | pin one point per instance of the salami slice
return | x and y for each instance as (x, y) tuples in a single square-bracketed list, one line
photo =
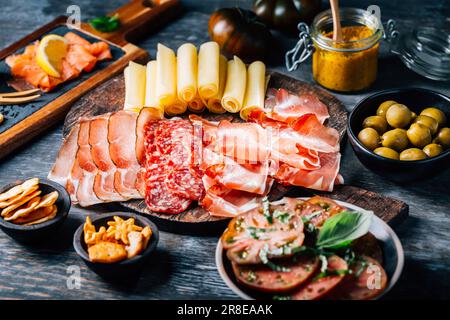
[(263, 278), (183, 183), (318, 287), (160, 199)]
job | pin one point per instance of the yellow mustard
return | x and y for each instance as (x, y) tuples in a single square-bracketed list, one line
[(352, 67)]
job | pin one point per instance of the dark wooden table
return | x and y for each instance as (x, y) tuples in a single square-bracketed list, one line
[(183, 266)]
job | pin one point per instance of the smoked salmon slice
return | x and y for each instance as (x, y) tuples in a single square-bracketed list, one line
[(81, 56)]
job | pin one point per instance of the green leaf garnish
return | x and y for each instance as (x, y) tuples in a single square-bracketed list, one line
[(341, 229), (106, 24)]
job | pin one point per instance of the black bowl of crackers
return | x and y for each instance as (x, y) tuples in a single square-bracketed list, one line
[(116, 244), (31, 210)]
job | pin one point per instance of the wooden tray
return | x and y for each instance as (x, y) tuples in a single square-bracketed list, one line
[(110, 97), (26, 121)]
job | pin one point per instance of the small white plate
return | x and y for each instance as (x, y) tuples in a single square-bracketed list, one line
[(393, 256)]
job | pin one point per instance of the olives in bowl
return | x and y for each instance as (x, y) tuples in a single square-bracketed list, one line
[(403, 134)]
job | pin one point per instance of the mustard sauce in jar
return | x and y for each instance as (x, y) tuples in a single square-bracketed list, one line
[(352, 69)]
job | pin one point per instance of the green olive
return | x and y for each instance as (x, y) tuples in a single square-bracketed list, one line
[(387, 153), (412, 154), (383, 108), (436, 114), (433, 149), (376, 122), (429, 122), (413, 115), (443, 137), (398, 116), (1, 118), (419, 135), (369, 137), (395, 139)]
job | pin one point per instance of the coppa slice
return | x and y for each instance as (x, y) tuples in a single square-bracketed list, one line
[(319, 286), (262, 278), (367, 281), (253, 235)]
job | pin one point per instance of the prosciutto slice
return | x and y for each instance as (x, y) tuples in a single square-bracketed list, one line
[(85, 192), (62, 168), (104, 179), (122, 145), (286, 107)]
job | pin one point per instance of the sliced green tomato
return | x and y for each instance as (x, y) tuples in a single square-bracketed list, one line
[(262, 278)]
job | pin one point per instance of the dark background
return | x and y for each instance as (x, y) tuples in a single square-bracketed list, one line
[(183, 267)]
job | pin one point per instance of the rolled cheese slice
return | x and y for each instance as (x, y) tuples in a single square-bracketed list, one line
[(176, 107), (196, 105), (208, 70), (135, 75), (233, 96), (215, 104), (166, 76), (255, 91), (187, 72), (150, 88)]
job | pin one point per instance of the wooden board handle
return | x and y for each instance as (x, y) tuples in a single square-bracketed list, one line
[(136, 19)]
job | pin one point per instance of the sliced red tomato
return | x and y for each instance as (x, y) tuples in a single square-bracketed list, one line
[(263, 278), (367, 281), (319, 208), (369, 246), (318, 287)]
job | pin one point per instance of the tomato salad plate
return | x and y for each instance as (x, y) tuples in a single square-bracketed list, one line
[(309, 249)]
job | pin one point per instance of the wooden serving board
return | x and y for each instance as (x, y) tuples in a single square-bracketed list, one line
[(110, 97), (25, 121)]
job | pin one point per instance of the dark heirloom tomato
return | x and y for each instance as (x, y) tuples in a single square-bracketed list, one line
[(286, 14), (239, 32), (263, 278)]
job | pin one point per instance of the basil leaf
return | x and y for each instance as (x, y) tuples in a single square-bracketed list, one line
[(339, 230), (106, 24)]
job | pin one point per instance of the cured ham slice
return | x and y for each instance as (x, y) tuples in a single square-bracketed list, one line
[(122, 144), (85, 192), (104, 179), (251, 178), (62, 168), (286, 107), (244, 142), (224, 202), (320, 179)]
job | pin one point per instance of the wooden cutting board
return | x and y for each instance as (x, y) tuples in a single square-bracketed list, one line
[(25, 121), (110, 97)]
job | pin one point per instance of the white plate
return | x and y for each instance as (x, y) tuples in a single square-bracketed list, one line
[(393, 256)]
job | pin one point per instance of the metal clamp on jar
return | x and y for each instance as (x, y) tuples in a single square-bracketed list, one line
[(347, 65)]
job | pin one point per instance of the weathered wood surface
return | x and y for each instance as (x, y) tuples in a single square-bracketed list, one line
[(183, 266), (109, 97)]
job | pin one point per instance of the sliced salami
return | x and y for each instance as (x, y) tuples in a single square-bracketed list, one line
[(160, 199), (183, 183)]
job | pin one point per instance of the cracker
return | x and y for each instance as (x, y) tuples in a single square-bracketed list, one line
[(35, 215), (107, 252), (23, 200), (19, 189), (136, 244), (48, 200), (18, 197), (24, 209), (54, 211)]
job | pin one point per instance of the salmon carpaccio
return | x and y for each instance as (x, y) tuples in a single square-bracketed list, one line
[(227, 167), (81, 56)]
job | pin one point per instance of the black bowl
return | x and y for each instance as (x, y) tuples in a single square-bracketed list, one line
[(122, 268), (42, 230), (416, 99)]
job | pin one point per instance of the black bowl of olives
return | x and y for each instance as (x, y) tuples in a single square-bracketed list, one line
[(402, 134)]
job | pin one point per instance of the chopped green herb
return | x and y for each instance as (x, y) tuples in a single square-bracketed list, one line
[(251, 276), (283, 216), (106, 24), (281, 298), (266, 210), (328, 273)]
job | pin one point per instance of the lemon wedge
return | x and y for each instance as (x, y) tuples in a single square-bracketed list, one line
[(51, 52)]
